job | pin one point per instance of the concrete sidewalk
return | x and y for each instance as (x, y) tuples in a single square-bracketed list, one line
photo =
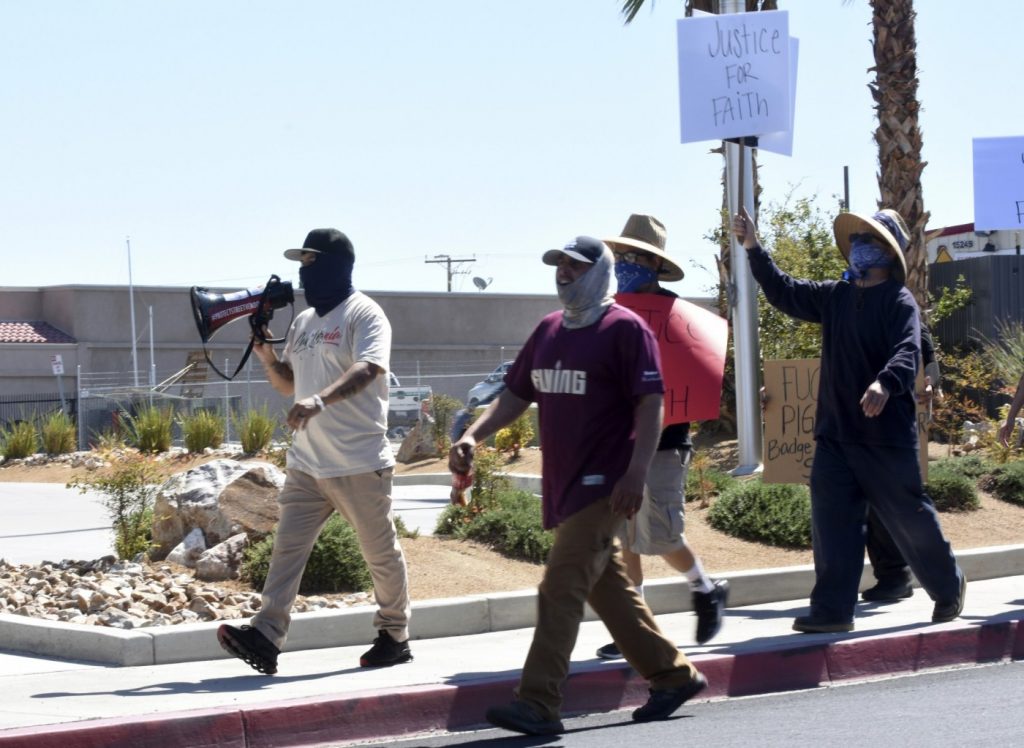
[(321, 695)]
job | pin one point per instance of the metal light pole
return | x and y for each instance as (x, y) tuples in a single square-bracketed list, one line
[(131, 305), (739, 172)]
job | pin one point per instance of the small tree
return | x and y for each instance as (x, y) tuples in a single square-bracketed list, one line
[(128, 495)]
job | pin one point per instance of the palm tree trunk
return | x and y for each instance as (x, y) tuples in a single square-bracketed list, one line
[(899, 134)]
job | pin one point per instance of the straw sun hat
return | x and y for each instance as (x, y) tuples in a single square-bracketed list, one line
[(647, 234), (887, 225)]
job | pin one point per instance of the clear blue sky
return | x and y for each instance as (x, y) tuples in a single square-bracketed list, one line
[(215, 134)]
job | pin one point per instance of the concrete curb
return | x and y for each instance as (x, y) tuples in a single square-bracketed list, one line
[(475, 614), (807, 662)]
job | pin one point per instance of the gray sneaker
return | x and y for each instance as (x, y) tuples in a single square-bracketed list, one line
[(609, 652)]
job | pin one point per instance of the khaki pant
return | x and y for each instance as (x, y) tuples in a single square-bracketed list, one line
[(585, 565), (364, 501)]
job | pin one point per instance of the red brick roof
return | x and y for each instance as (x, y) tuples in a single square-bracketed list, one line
[(32, 332)]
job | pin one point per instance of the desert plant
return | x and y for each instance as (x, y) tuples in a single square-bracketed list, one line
[(255, 430), (128, 493), (202, 429), (444, 408), (149, 430), (515, 436), (59, 435), (19, 440), (511, 524), (335, 564), (777, 514), (703, 481)]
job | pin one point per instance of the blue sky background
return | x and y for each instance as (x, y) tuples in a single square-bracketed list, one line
[(215, 134)]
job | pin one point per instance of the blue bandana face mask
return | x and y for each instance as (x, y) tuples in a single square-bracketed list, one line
[(631, 276), (866, 254)]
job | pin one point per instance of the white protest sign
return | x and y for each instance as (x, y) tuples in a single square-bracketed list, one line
[(782, 142), (733, 75), (998, 183)]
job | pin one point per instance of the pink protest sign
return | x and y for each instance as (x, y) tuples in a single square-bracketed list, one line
[(692, 342)]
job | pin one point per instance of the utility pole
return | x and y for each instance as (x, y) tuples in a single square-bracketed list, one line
[(449, 261)]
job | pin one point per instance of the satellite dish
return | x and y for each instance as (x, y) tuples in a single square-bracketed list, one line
[(481, 283)]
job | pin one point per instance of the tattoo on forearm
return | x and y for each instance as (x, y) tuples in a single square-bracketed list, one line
[(282, 370)]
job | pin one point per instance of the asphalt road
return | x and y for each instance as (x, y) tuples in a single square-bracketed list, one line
[(977, 706)]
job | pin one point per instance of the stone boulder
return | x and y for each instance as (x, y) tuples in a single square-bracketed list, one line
[(419, 444), (223, 561), (221, 498)]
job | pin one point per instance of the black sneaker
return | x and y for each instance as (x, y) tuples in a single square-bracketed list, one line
[(709, 607), (250, 646), (945, 612), (663, 702), (521, 717), (609, 652), (385, 652), (814, 625), (887, 592)]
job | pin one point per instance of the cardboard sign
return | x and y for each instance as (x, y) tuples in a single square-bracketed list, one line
[(791, 389), (733, 75), (998, 183), (692, 342)]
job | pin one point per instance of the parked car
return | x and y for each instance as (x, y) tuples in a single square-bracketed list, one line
[(483, 392), (405, 403)]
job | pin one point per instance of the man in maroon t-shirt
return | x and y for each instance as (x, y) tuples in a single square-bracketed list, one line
[(594, 371)]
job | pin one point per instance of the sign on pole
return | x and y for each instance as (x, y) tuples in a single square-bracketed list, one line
[(57, 362), (998, 183), (733, 75)]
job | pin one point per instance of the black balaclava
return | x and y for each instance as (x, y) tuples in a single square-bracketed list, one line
[(327, 281)]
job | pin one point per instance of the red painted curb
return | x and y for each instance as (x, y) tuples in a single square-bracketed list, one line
[(594, 687)]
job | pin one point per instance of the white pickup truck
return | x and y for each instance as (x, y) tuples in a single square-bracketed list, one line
[(405, 403)]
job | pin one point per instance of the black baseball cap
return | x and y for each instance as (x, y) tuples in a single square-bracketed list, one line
[(583, 248), (323, 241)]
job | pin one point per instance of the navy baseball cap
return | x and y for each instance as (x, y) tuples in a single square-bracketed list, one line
[(323, 241), (583, 248)]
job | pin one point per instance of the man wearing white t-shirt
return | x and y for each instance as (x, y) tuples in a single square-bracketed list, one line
[(335, 362)]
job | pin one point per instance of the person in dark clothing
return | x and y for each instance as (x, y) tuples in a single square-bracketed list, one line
[(865, 429), (892, 575)]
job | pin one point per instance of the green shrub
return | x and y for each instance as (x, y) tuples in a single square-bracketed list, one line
[(515, 436), (59, 434), (109, 439), (776, 514), (444, 408), (128, 494), (511, 524), (972, 466), (255, 430), (19, 440), (335, 564), (202, 430), (149, 430), (1005, 482), (952, 491)]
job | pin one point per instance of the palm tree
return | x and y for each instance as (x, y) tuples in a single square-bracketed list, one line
[(898, 134)]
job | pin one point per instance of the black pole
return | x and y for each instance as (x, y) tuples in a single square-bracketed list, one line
[(846, 188)]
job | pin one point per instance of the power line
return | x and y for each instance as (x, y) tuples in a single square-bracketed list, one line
[(448, 262)]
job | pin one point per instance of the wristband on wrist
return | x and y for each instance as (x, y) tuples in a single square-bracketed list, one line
[(318, 402)]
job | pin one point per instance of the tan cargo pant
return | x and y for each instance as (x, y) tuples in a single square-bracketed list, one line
[(585, 565), (364, 501)]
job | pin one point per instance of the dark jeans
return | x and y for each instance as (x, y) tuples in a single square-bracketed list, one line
[(887, 563), (848, 478)]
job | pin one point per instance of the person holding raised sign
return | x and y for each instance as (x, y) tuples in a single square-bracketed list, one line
[(866, 426), (657, 528)]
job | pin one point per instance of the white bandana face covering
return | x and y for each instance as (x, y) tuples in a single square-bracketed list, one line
[(587, 298)]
